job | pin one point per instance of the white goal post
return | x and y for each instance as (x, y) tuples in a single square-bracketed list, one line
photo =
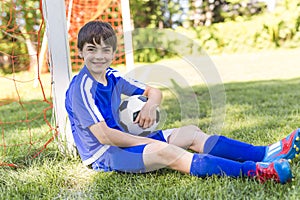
[(127, 31), (54, 13)]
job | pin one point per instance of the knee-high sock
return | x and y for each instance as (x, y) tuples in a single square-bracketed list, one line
[(233, 149), (207, 165)]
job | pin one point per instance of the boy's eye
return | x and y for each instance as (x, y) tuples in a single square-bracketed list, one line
[(106, 50)]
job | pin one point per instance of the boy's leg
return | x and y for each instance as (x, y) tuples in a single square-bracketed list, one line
[(154, 156), (160, 155), (188, 137), (278, 170), (224, 147), (193, 138), (287, 148), (144, 158)]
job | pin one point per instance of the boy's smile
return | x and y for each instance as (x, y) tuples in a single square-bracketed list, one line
[(97, 58)]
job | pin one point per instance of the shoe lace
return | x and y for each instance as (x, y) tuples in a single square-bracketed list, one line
[(264, 174)]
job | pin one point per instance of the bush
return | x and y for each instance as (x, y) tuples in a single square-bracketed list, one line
[(280, 28), (151, 45), (266, 31)]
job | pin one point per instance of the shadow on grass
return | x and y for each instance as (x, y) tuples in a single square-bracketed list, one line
[(262, 112), (259, 110)]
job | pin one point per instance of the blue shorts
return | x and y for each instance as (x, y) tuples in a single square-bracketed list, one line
[(129, 159)]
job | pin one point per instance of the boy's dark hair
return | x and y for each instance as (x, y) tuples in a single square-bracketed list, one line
[(95, 31)]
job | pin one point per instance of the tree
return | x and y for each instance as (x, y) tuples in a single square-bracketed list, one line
[(20, 30), (156, 14)]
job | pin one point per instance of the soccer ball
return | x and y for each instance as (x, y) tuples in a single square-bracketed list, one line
[(129, 110)]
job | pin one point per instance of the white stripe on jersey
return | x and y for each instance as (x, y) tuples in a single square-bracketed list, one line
[(135, 82), (116, 73), (85, 87), (132, 81), (97, 155), (274, 148)]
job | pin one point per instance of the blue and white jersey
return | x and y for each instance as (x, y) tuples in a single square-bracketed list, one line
[(89, 102)]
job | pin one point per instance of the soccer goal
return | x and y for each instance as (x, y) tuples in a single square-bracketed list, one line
[(37, 54)]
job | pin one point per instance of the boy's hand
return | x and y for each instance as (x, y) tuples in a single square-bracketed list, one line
[(147, 115)]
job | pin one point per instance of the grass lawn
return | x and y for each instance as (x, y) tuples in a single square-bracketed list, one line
[(258, 110)]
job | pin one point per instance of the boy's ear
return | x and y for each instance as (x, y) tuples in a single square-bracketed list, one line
[(80, 54)]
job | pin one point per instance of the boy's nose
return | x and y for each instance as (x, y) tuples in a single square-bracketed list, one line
[(99, 55)]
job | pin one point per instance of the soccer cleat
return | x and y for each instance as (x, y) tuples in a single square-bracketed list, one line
[(287, 148), (279, 171)]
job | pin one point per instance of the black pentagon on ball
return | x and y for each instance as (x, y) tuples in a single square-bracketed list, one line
[(123, 105), (145, 133), (124, 127), (135, 114), (143, 98), (157, 116)]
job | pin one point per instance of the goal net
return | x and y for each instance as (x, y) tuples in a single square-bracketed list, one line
[(32, 113)]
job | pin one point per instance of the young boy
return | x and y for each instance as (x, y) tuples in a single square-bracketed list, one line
[(92, 102)]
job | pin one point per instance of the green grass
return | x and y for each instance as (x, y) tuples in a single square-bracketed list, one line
[(24, 129), (260, 112)]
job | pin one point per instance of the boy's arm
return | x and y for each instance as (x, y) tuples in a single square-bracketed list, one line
[(109, 136), (147, 116)]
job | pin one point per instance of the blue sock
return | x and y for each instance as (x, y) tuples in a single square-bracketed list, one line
[(233, 149), (207, 165)]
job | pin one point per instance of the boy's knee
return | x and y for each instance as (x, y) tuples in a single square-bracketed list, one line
[(193, 128), (159, 155), (189, 137), (188, 131), (156, 148)]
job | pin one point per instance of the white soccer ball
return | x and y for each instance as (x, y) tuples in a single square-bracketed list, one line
[(129, 110)]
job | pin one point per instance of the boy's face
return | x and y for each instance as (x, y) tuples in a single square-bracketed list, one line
[(97, 57)]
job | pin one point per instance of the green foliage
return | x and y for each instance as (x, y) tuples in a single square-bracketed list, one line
[(173, 13), (20, 22), (146, 13), (236, 9), (268, 31), (151, 45), (280, 28), (156, 13), (144, 53)]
